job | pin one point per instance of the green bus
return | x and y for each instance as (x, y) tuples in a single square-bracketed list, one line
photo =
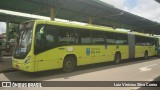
[(45, 45)]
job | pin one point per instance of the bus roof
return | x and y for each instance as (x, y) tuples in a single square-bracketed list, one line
[(87, 26)]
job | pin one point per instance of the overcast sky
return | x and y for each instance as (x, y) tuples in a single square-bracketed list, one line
[(149, 9), (2, 27)]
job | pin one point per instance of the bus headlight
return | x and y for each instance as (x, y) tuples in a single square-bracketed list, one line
[(27, 60)]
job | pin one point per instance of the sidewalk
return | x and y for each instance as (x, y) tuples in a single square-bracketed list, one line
[(6, 64)]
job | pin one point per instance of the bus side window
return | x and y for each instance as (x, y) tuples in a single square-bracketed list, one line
[(84, 36), (46, 37), (40, 38), (121, 39), (39, 34), (98, 37), (67, 36), (51, 33), (110, 38)]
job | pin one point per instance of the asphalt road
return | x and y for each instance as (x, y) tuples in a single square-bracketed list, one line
[(138, 70)]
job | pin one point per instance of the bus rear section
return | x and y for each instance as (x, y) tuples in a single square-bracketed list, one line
[(141, 45)]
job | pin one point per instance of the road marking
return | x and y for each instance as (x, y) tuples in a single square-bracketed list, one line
[(147, 68)]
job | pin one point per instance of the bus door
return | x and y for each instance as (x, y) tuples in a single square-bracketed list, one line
[(45, 39)]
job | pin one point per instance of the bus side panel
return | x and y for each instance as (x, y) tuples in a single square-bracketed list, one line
[(89, 54), (94, 54), (139, 51), (112, 49), (110, 52), (51, 59), (124, 51), (83, 54), (151, 50), (97, 53)]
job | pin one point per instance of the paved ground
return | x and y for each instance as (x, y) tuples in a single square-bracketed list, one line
[(6, 65), (140, 70)]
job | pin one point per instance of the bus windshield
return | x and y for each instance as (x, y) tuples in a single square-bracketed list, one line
[(24, 39)]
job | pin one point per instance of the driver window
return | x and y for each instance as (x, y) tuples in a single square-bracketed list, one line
[(40, 35), (46, 37), (39, 39)]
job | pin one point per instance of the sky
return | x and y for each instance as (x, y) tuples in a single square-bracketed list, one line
[(149, 9), (2, 27)]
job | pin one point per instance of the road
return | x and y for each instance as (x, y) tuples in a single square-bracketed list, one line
[(138, 70)]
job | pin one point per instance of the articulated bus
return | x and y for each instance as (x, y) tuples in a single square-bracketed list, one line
[(45, 45)]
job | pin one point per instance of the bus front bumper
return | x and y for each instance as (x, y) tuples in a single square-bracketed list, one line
[(20, 65)]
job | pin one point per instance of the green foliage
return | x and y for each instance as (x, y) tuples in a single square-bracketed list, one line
[(13, 28)]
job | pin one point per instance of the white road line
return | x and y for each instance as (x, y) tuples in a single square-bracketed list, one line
[(151, 65), (147, 68)]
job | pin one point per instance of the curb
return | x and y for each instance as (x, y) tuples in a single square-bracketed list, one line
[(8, 70)]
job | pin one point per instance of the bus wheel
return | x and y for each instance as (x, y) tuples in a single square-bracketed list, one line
[(146, 55), (117, 58), (69, 64)]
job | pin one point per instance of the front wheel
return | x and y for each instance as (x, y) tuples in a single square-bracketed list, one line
[(69, 64)]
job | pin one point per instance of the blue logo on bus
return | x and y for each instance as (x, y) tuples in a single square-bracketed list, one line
[(88, 51)]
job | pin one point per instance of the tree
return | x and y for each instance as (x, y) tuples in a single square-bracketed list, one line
[(13, 29)]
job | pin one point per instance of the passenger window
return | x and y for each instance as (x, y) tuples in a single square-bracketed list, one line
[(84, 36), (51, 35), (121, 39), (97, 37), (110, 38), (66, 36)]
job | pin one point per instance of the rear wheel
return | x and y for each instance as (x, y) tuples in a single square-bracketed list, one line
[(117, 58), (69, 64)]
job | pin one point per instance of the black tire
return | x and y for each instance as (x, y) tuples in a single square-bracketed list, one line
[(146, 55), (117, 58), (69, 64)]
